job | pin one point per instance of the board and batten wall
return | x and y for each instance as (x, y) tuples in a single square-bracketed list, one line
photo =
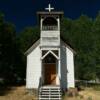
[(33, 68), (67, 67)]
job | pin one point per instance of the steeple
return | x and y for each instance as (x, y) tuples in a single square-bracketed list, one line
[(50, 27)]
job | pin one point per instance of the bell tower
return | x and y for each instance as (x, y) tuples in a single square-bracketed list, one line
[(50, 27)]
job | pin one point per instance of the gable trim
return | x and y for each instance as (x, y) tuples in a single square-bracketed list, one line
[(50, 51)]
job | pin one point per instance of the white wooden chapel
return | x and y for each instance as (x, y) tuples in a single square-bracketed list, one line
[(50, 61)]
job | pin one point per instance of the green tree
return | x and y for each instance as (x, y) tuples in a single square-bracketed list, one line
[(27, 37), (79, 34), (7, 48), (96, 34)]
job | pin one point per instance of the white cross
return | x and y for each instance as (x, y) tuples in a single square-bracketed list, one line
[(49, 8)]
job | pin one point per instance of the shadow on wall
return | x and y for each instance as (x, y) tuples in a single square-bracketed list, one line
[(63, 68), (40, 82)]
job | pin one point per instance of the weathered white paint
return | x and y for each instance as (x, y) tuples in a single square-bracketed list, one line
[(70, 68), (33, 68), (59, 65), (67, 67), (49, 48), (50, 38), (58, 20), (41, 21), (57, 80), (50, 33)]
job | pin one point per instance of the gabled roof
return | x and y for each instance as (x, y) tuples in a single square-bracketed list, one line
[(38, 42)]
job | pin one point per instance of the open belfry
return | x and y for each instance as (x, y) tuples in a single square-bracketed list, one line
[(50, 61)]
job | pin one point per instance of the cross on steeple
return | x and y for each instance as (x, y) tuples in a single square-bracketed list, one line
[(49, 8)]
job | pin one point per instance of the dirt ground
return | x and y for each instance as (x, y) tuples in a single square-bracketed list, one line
[(20, 93)]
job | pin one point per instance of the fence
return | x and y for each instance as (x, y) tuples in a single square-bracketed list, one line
[(87, 83)]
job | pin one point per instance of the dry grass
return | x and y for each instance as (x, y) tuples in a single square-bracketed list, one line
[(87, 94), (19, 93)]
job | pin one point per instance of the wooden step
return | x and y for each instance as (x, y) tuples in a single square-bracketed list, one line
[(50, 93)]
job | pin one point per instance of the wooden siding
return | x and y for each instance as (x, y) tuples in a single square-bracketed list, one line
[(70, 68), (50, 38), (67, 67), (33, 68)]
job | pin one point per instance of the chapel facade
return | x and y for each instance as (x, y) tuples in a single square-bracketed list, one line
[(50, 61)]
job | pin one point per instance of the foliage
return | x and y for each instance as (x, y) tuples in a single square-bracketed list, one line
[(7, 48), (80, 34), (27, 37), (12, 66)]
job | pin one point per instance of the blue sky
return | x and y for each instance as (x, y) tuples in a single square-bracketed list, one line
[(23, 12)]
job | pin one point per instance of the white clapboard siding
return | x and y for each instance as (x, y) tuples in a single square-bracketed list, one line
[(50, 33), (50, 38), (70, 68), (67, 67), (33, 68)]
